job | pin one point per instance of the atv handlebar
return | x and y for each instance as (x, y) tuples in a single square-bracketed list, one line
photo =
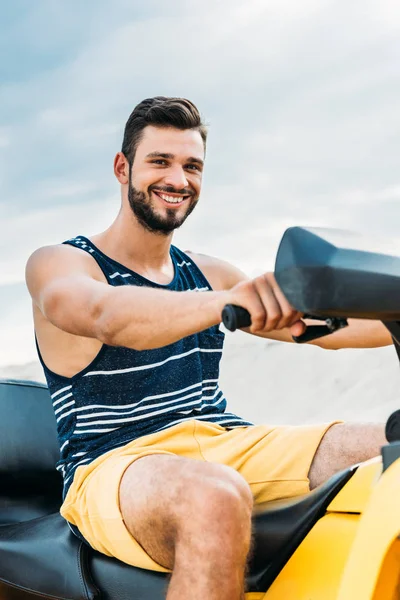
[(235, 317)]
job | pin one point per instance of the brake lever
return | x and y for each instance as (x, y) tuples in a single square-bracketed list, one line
[(313, 332)]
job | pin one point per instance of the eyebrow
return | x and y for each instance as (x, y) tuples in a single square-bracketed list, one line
[(170, 156)]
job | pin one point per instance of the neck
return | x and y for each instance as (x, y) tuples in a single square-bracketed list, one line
[(128, 242)]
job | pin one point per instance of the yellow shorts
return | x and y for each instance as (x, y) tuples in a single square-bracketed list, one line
[(274, 461)]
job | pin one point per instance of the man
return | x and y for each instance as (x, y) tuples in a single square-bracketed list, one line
[(156, 472)]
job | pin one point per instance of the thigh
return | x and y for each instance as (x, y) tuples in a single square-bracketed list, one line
[(129, 503), (162, 497), (346, 445), (93, 506)]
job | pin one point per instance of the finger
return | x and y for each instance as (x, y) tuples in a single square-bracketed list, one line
[(270, 303), (298, 329), (247, 296), (257, 313), (289, 314)]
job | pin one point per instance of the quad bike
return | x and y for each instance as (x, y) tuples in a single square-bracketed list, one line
[(339, 542)]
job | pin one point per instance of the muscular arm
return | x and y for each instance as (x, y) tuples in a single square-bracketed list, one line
[(360, 333), (71, 294)]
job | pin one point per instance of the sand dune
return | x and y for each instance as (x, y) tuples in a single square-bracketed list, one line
[(284, 383)]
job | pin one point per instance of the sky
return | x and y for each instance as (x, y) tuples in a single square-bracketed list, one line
[(301, 98)]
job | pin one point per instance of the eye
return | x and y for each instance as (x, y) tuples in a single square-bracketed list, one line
[(159, 161), (193, 167)]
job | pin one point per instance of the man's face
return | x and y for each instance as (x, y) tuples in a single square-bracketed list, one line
[(165, 178)]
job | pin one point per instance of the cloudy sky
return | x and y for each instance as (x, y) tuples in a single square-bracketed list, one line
[(302, 100)]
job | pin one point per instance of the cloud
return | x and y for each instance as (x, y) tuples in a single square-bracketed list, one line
[(25, 233)]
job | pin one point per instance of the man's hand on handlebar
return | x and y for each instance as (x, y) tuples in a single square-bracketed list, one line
[(268, 307)]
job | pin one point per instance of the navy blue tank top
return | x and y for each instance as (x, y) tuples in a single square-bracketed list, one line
[(124, 393)]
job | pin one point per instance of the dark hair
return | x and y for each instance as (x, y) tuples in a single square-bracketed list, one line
[(160, 112)]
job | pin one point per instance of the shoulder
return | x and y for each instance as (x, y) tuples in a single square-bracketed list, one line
[(221, 274), (60, 259)]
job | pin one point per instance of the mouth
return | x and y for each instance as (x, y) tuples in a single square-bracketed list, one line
[(171, 200)]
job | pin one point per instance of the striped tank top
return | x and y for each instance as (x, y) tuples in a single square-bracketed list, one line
[(124, 394)]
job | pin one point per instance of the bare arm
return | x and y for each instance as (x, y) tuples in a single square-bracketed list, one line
[(359, 334), (71, 294)]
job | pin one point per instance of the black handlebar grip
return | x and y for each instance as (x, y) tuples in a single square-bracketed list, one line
[(234, 317)]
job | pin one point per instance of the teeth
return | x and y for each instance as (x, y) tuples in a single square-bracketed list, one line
[(171, 199)]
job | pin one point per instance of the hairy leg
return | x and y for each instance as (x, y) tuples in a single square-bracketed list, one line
[(343, 445), (193, 518)]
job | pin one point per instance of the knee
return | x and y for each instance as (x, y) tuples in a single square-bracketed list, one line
[(221, 503)]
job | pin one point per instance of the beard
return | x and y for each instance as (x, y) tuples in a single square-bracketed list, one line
[(147, 216)]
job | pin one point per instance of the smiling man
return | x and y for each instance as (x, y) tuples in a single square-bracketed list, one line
[(156, 471)]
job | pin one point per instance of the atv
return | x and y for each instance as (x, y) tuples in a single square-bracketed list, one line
[(338, 542)]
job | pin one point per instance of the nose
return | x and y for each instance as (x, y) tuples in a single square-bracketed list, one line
[(176, 177)]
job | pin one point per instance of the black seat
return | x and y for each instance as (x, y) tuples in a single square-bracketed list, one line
[(39, 555)]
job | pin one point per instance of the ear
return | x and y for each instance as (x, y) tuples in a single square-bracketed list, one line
[(121, 168)]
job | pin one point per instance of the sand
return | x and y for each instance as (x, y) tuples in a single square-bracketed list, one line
[(273, 382)]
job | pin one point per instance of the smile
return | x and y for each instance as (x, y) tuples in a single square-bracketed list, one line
[(170, 198)]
